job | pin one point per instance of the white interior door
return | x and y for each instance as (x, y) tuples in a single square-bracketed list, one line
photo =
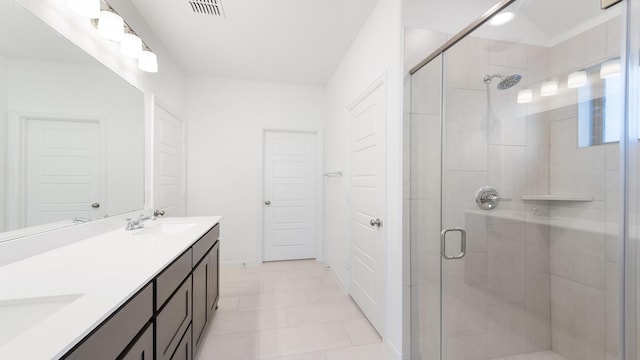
[(290, 189), (168, 163), (64, 171), (367, 177)]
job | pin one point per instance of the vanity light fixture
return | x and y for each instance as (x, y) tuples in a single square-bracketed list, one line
[(525, 96), (549, 88), (131, 45), (111, 25), (577, 79), (148, 61), (610, 68), (501, 18), (87, 8)]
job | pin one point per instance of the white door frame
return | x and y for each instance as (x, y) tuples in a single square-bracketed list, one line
[(16, 164), (150, 138), (319, 196), (379, 82)]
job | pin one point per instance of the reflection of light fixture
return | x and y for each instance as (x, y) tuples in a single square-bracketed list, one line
[(131, 46), (501, 19), (610, 68), (549, 88), (87, 8), (148, 62), (525, 96), (111, 25), (577, 79)]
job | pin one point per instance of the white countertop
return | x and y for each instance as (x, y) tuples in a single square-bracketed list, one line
[(94, 276)]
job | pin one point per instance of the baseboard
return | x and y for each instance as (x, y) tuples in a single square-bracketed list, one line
[(341, 283)]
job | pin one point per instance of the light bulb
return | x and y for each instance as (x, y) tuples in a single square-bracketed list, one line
[(501, 19), (610, 68), (549, 88), (577, 79), (131, 46), (148, 62), (87, 8), (525, 96), (111, 25)]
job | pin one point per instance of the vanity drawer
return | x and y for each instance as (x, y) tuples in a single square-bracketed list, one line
[(169, 280), (202, 246), (115, 333), (173, 320), (142, 349)]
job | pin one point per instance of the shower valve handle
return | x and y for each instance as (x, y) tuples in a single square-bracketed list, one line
[(487, 198)]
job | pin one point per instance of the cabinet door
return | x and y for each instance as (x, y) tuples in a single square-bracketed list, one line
[(173, 320), (214, 278), (200, 305), (183, 351)]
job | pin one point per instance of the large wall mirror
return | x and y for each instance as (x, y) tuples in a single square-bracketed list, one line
[(71, 131)]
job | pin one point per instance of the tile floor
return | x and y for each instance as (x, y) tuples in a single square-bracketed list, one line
[(289, 310)]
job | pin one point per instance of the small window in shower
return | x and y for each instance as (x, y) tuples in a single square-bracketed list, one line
[(599, 110)]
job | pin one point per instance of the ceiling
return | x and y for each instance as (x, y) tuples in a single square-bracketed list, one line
[(539, 22), (294, 41)]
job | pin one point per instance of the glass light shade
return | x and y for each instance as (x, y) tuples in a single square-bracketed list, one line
[(148, 62), (131, 46), (501, 18), (87, 8), (525, 96), (549, 88), (111, 25), (610, 68), (577, 79)]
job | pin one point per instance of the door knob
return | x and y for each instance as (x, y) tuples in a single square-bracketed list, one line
[(375, 222), (267, 202), (95, 205)]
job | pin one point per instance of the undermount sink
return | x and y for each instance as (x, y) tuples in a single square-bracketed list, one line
[(20, 315)]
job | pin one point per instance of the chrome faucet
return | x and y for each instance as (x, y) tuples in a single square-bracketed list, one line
[(81, 220), (138, 223)]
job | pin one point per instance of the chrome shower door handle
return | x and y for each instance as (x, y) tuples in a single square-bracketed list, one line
[(463, 243)]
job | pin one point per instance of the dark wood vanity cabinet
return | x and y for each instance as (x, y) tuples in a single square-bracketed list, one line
[(205, 286), (165, 320), (114, 335)]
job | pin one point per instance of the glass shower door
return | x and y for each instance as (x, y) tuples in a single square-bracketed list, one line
[(531, 114)]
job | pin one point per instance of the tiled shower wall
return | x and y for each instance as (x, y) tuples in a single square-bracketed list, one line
[(528, 282)]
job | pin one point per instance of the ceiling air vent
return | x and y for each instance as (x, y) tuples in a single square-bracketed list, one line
[(207, 7)]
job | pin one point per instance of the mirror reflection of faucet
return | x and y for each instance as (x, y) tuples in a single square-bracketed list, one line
[(83, 220), (134, 224)]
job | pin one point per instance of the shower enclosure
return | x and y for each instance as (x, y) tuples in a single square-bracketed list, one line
[(522, 186)]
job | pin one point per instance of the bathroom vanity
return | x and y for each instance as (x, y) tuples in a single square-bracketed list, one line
[(142, 294)]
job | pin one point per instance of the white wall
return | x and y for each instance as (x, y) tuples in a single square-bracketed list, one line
[(376, 52), (3, 140), (224, 151)]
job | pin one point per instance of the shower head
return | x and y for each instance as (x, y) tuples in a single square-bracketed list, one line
[(506, 82)]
